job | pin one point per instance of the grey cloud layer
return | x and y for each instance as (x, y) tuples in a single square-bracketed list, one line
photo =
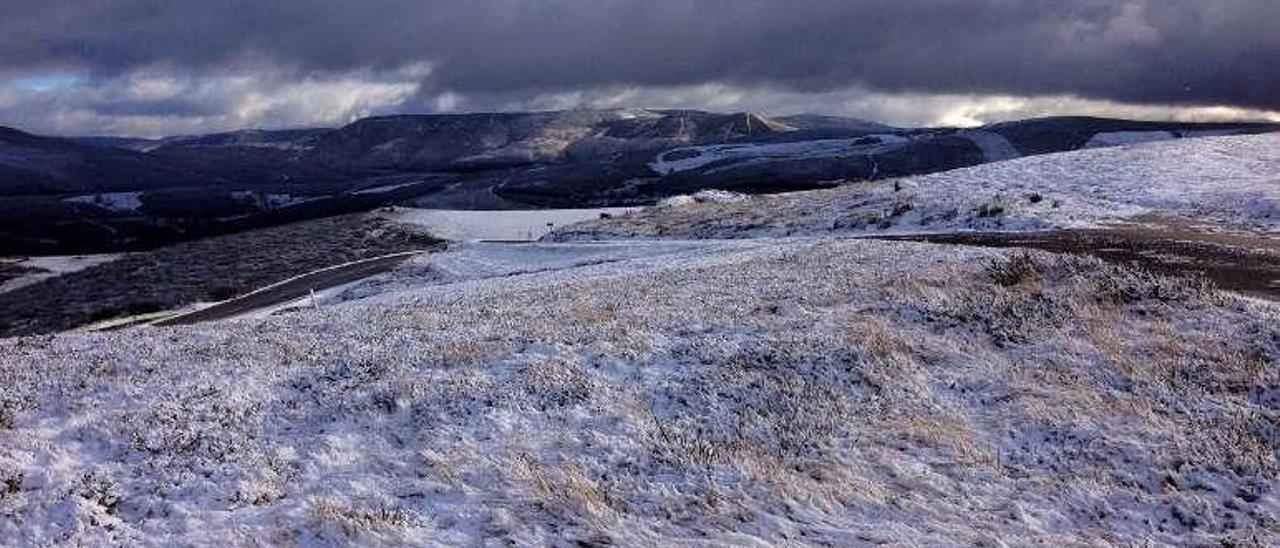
[(1220, 52)]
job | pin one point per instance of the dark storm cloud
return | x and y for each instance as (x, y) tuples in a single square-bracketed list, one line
[(1221, 52)]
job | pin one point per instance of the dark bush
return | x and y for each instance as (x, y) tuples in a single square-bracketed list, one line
[(989, 210), (224, 292), (1017, 269), (104, 314), (138, 308)]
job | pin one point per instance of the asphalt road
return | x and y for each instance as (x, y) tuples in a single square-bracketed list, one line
[(290, 290)]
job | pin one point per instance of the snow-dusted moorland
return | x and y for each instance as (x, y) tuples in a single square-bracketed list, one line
[(1224, 181), (806, 391), (765, 390)]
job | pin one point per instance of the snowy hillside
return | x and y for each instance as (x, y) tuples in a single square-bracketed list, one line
[(783, 386), (684, 159), (1232, 182), (761, 392)]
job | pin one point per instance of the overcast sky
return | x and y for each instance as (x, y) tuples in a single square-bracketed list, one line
[(151, 67)]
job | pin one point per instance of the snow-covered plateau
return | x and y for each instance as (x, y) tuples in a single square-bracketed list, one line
[(1228, 182), (756, 391)]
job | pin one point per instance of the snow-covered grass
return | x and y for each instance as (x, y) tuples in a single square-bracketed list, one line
[(807, 391), (460, 225), (1227, 181)]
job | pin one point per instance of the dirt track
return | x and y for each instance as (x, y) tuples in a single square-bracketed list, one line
[(1248, 263)]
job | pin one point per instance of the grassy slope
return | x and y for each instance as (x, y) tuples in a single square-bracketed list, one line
[(807, 391)]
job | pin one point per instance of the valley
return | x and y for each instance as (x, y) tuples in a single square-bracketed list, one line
[(61, 196)]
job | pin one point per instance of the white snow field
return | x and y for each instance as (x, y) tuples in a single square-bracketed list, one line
[(463, 225), (809, 391), (1224, 181)]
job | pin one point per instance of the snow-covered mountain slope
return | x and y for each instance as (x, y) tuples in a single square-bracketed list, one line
[(818, 121), (688, 158), (1230, 182), (501, 139), (809, 391)]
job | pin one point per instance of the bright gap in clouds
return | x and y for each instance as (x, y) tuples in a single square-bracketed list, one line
[(901, 109), (155, 103), (158, 103), (44, 82)]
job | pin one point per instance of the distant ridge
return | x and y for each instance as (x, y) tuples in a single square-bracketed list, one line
[(95, 194)]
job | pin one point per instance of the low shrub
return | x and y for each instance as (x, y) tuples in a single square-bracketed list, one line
[(989, 210), (1018, 269), (8, 415)]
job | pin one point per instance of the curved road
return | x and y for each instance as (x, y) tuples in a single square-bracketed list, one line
[(291, 289)]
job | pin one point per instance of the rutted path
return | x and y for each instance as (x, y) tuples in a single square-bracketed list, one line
[(1248, 263)]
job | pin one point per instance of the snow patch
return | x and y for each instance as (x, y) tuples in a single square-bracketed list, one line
[(385, 188), (278, 201), (117, 202), (1118, 138), (52, 266), (703, 197), (690, 158), (273, 200), (994, 147), (460, 225)]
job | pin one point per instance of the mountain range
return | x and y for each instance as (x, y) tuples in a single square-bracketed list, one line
[(99, 194)]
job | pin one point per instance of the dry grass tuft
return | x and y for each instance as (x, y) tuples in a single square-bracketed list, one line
[(356, 521)]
